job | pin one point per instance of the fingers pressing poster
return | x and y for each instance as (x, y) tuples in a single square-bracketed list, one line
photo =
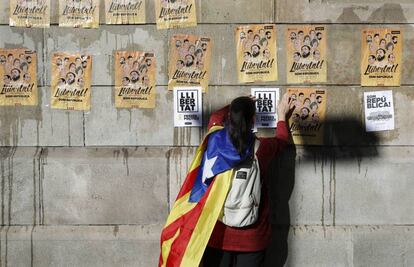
[(18, 85), (31, 14), (256, 53), (266, 101), (379, 111), (79, 13), (125, 12), (135, 79), (188, 107), (71, 81), (381, 57), (306, 54), (308, 117), (189, 61), (175, 14)]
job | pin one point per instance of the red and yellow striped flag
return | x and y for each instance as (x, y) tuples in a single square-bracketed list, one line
[(189, 225)]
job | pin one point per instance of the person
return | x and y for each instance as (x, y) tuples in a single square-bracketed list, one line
[(238, 247)]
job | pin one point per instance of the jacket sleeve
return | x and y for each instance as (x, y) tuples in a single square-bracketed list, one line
[(270, 147), (218, 117)]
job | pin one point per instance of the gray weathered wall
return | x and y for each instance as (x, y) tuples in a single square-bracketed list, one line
[(94, 188)]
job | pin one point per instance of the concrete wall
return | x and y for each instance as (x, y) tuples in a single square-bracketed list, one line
[(94, 188)]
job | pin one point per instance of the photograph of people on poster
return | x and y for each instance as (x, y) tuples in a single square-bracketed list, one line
[(306, 54), (256, 53), (135, 79), (308, 117), (71, 81), (189, 63), (381, 57), (18, 72)]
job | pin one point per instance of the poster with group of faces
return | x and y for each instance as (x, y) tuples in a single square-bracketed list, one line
[(306, 54), (381, 57), (189, 64), (18, 82), (256, 53), (71, 81), (135, 79)]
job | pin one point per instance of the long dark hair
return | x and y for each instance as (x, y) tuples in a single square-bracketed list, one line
[(242, 111)]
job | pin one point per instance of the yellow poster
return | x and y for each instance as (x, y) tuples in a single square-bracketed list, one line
[(189, 64), (306, 54), (175, 14), (308, 117), (18, 82), (381, 57), (256, 53), (30, 13), (135, 79), (71, 81), (79, 13), (125, 11)]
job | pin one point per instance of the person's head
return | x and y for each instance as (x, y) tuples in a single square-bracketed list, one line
[(16, 63), (314, 43), (72, 67), (391, 58), (269, 35), (70, 78), (292, 35), (296, 57), (383, 42), (15, 74), (395, 39), (242, 35), (125, 81), (266, 53), (199, 54), (376, 38), (255, 50), (121, 60), (319, 36), (306, 102), (180, 64), (26, 77), (247, 56), (256, 38), (371, 59), (316, 55), (264, 42), (2, 59), (390, 47), (6, 79), (149, 62), (305, 51), (380, 54), (304, 113), (189, 60), (314, 106), (241, 119), (319, 99), (307, 40), (24, 67), (191, 49), (369, 38), (178, 43), (134, 76)]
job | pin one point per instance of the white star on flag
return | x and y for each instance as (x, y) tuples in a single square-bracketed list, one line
[(208, 168)]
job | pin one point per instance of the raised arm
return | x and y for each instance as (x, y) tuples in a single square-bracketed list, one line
[(269, 147)]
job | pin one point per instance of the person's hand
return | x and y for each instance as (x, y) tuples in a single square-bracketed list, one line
[(286, 105)]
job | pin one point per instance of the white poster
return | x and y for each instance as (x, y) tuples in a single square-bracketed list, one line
[(188, 107), (379, 111), (267, 99)]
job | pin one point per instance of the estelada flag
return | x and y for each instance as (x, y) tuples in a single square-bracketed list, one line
[(200, 201)]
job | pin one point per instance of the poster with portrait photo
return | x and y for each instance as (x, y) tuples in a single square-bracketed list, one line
[(125, 11), (175, 14), (71, 81), (18, 84), (308, 117), (135, 79), (266, 106), (256, 53), (189, 64), (188, 107), (379, 111), (79, 13), (306, 54), (30, 13), (381, 57)]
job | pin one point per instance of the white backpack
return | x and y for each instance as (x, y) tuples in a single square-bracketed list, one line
[(241, 207)]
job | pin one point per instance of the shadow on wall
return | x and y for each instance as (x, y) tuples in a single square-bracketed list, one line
[(345, 140)]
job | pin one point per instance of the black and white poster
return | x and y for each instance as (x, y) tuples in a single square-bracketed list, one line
[(188, 107), (266, 103), (379, 111)]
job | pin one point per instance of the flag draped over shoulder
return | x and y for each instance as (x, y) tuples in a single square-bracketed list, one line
[(199, 203)]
